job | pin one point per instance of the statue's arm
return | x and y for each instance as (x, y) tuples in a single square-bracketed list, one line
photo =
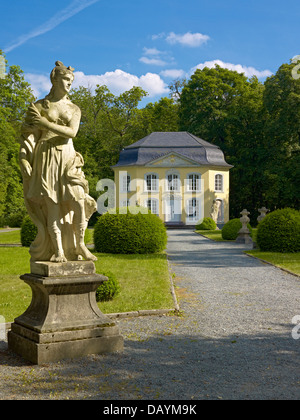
[(69, 131), (25, 166)]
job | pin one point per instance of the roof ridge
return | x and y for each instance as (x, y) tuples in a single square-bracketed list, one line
[(202, 142), (157, 136)]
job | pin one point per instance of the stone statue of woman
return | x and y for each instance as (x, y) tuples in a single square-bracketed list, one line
[(55, 189)]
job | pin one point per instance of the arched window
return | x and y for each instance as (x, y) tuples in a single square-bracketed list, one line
[(219, 183), (173, 182), (193, 210), (152, 205), (151, 181), (125, 182), (193, 182)]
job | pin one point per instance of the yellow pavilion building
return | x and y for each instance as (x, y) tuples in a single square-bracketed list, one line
[(176, 175)]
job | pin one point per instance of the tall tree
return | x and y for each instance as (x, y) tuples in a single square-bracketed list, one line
[(110, 123), (107, 124), (226, 108), (282, 105), (15, 96)]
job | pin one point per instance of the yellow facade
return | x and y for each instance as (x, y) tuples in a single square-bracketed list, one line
[(181, 192)]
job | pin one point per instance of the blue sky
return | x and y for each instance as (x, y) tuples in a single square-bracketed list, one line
[(146, 43)]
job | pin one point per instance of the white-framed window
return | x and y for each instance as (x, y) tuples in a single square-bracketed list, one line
[(152, 205), (193, 210), (151, 181), (125, 180), (194, 182), (219, 182), (125, 203), (173, 182)]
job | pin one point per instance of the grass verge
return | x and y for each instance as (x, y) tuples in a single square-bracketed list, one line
[(12, 237), (288, 261), (144, 282), (215, 235)]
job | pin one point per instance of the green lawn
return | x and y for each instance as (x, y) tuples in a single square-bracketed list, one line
[(215, 235), (12, 237), (288, 261), (144, 282)]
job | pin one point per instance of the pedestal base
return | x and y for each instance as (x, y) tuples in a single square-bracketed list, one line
[(244, 238), (63, 320)]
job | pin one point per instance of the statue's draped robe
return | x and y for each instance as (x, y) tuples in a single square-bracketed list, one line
[(57, 174)]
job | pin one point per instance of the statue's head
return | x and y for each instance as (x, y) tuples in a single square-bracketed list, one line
[(61, 78), (59, 71)]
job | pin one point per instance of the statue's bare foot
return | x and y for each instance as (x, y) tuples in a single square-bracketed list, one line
[(87, 255), (60, 258)]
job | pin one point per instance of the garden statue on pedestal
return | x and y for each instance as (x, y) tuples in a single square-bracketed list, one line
[(263, 212), (63, 320), (244, 233), (215, 208), (55, 189)]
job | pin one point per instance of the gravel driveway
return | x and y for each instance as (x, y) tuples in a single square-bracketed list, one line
[(232, 340)]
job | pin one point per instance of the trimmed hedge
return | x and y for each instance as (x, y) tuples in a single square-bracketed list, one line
[(279, 231), (207, 224), (231, 229), (130, 233), (28, 231), (109, 289)]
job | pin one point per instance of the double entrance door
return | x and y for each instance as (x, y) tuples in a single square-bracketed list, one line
[(173, 209)]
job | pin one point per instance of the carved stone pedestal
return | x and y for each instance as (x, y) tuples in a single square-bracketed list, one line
[(244, 233), (244, 238), (63, 320)]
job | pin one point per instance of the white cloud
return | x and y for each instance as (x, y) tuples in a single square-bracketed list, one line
[(153, 61), (155, 57), (188, 39), (117, 81), (158, 36), (39, 83), (153, 51), (153, 84), (248, 71), (75, 7), (173, 73)]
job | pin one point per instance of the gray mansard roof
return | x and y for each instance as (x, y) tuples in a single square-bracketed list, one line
[(160, 144)]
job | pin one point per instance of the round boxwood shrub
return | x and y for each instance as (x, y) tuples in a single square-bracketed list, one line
[(129, 233), (231, 229), (28, 231), (109, 289), (279, 231), (207, 224)]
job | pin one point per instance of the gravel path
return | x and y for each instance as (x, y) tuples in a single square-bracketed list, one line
[(233, 339)]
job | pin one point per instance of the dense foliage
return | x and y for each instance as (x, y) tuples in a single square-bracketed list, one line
[(28, 231), (279, 231), (127, 233), (257, 126), (207, 224), (231, 229), (108, 289), (109, 123), (15, 96)]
